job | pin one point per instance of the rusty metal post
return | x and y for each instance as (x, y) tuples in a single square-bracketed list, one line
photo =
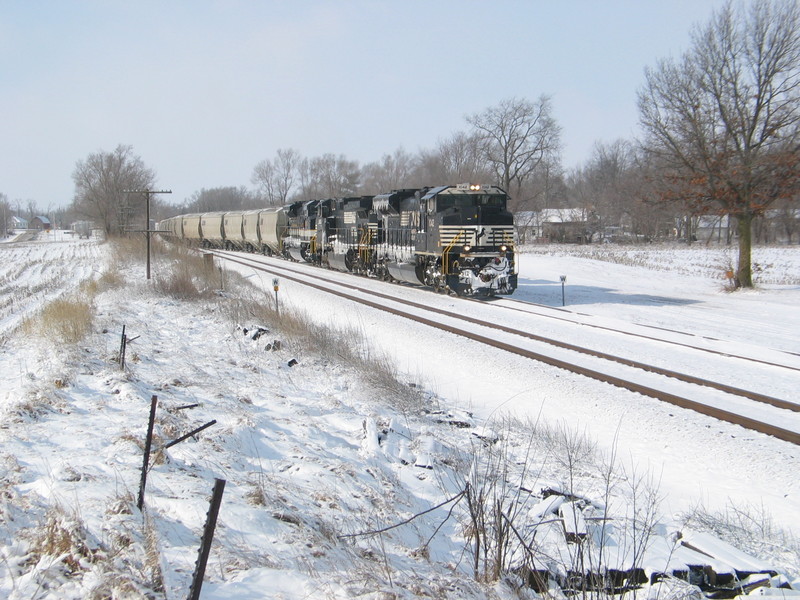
[(122, 344), (208, 536), (147, 445), (190, 434)]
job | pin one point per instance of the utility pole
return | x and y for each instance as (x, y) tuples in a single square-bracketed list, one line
[(147, 230)]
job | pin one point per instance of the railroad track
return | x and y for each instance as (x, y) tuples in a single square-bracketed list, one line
[(571, 357), (549, 312)]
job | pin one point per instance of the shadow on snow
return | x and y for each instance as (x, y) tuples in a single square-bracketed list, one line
[(548, 293)]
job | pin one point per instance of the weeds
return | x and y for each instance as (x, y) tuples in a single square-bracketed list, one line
[(65, 321), (751, 529), (63, 538), (347, 346), (152, 558)]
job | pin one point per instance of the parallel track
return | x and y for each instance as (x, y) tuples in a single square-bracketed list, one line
[(715, 412), (506, 301)]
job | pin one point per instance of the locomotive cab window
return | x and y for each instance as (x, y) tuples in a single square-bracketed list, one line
[(470, 201)]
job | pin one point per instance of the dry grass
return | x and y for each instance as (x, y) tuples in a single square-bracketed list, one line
[(152, 557), (63, 538), (107, 281), (125, 250), (63, 320), (184, 274), (349, 347)]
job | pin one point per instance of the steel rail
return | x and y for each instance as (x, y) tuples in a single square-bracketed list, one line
[(646, 337), (721, 414)]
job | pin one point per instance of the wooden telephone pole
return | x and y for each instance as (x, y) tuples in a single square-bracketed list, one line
[(147, 230)]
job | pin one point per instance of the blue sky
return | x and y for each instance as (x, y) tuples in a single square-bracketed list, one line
[(203, 90)]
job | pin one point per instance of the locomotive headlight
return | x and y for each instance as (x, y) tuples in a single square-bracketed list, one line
[(474, 187), (503, 248), (467, 248)]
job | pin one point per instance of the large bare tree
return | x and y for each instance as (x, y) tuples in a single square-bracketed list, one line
[(101, 182), (517, 137), (723, 119), (328, 176), (276, 178), (394, 171)]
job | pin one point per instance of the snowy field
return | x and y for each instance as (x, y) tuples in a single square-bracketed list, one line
[(313, 452)]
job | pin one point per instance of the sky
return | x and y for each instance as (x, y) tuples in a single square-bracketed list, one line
[(204, 90)]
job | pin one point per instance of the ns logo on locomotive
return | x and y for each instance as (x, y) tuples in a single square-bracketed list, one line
[(458, 238)]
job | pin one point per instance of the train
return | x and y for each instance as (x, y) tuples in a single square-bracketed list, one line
[(456, 239)]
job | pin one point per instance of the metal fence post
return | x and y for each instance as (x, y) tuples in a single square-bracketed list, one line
[(147, 445), (208, 536)]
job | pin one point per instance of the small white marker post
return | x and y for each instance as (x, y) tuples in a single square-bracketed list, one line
[(275, 286)]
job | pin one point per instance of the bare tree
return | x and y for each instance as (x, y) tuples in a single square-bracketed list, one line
[(394, 171), (100, 184), (517, 137), (723, 120), (545, 188), (33, 209), (5, 214), (463, 159), (276, 178), (610, 173), (221, 198), (328, 176)]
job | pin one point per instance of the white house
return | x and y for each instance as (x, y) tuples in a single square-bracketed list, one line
[(18, 223)]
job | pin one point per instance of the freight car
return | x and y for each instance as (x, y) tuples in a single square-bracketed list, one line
[(457, 238)]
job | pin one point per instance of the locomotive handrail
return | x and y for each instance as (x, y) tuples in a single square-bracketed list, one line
[(363, 244), (446, 253)]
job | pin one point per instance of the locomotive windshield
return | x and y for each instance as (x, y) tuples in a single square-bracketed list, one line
[(446, 201)]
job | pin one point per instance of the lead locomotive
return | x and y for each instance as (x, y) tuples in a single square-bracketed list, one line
[(453, 238)]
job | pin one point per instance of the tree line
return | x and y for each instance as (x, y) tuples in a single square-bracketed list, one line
[(720, 138)]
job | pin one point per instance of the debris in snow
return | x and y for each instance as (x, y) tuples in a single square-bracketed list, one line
[(427, 448), (574, 523), (395, 426), (372, 439), (461, 419), (405, 455), (287, 518), (254, 332)]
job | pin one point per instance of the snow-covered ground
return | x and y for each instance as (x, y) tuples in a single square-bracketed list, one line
[(315, 451)]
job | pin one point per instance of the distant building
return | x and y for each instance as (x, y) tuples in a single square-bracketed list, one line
[(18, 223), (553, 225), (83, 229), (712, 228), (41, 223)]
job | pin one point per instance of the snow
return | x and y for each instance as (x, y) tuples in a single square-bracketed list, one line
[(315, 451)]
